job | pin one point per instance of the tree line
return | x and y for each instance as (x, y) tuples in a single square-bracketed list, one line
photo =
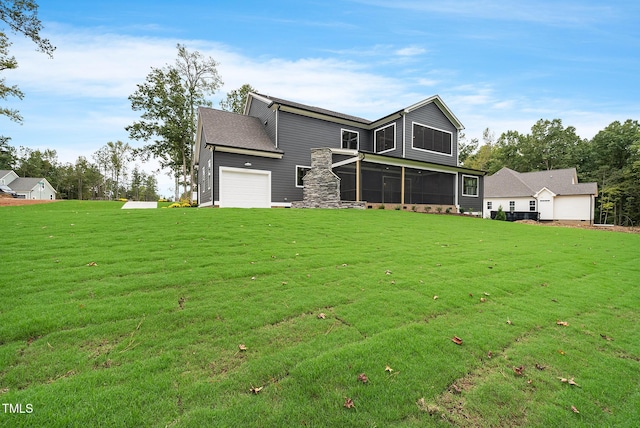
[(611, 158), (108, 175)]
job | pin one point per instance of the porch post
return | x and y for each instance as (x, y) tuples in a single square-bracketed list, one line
[(358, 180), (402, 186)]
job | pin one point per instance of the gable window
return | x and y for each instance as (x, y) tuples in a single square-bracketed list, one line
[(489, 205), (350, 139), (301, 171), (512, 206), (431, 139), (469, 185), (532, 205), (385, 138)]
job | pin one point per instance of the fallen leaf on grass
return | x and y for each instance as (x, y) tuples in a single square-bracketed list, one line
[(456, 389), (573, 408), (569, 381), (362, 378), (605, 337), (181, 302), (387, 272), (256, 390), (489, 354), (388, 369), (560, 351), (539, 367), (482, 299), (92, 264), (242, 347), (564, 323), (348, 403), (321, 316), (518, 370), (509, 321), (486, 294), (456, 340)]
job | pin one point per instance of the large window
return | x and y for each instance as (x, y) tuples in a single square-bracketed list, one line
[(532, 205), (350, 139), (512, 206), (469, 185), (386, 138), (431, 139), (301, 171)]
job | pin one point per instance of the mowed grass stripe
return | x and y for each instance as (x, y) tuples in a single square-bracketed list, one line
[(174, 293)]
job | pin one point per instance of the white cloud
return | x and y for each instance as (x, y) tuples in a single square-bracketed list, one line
[(411, 51)]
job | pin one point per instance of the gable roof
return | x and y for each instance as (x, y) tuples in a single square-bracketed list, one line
[(226, 129), (509, 183), (27, 184), (317, 112)]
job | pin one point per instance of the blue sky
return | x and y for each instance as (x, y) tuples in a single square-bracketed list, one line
[(497, 64)]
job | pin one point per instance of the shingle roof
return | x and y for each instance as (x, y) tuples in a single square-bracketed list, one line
[(509, 183), (316, 109), (222, 128), (24, 184)]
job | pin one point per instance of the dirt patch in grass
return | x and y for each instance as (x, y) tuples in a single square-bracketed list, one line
[(576, 225), (14, 202)]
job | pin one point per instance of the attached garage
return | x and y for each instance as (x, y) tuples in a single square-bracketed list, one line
[(244, 188)]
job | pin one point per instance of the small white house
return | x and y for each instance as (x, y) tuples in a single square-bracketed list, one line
[(541, 195), (28, 187)]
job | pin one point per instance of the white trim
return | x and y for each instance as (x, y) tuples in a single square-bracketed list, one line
[(342, 131), (477, 195), (375, 144), (296, 175), (399, 162), (404, 132), (436, 129), (239, 151), (281, 204), (345, 162), (347, 152), (441, 105), (277, 123)]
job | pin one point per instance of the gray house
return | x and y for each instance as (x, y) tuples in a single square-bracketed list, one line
[(260, 158)]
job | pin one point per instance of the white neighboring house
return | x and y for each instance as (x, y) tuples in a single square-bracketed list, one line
[(28, 188), (551, 195)]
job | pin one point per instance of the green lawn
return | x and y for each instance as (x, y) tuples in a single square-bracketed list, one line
[(114, 317)]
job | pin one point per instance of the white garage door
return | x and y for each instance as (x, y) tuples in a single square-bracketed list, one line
[(245, 188)]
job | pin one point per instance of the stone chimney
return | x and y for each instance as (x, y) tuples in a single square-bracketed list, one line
[(321, 185)]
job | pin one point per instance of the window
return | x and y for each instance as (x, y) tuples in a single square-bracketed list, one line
[(489, 205), (386, 138), (512, 206), (350, 139), (431, 139), (301, 171), (532, 205), (469, 185)]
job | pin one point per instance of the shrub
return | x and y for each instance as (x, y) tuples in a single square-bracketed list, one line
[(414, 208), (501, 215), (397, 208), (448, 210), (427, 209), (461, 210), (381, 206), (439, 209)]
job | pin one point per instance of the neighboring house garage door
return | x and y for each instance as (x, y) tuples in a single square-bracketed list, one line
[(245, 188)]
